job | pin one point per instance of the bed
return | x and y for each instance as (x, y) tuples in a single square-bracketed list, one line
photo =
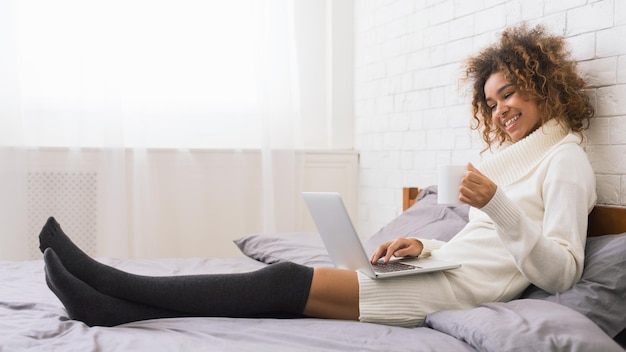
[(589, 317)]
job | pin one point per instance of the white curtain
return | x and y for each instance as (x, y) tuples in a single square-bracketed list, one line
[(129, 120)]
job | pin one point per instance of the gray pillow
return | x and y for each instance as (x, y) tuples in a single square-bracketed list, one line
[(304, 248), (523, 325), (425, 219), (601, 292)]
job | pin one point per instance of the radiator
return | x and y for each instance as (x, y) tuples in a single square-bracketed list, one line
[(71, 197)]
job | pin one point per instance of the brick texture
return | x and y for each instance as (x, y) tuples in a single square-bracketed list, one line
[(411, 114)]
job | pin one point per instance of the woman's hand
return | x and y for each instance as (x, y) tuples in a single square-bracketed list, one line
[(476, 189), (400, 247)]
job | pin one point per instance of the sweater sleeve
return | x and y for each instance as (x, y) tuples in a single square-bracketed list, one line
[(549, 254)]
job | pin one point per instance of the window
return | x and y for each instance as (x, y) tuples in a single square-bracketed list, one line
[(151, 73)]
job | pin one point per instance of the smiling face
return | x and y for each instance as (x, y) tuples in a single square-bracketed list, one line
[(510, 110)]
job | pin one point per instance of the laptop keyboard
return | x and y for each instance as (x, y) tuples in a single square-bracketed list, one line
[(391, 267)]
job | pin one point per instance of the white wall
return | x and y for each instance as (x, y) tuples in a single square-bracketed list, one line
[(410, 115)]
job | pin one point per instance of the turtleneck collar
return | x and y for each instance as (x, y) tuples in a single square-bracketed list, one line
[(518, 159)]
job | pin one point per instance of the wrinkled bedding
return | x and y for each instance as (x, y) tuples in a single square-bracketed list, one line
[(584, 318), (32, 319)]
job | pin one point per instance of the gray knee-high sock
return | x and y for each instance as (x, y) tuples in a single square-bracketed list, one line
[(84, 303), (282, 287)]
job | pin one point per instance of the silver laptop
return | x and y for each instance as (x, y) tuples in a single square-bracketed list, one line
[(345, 248)]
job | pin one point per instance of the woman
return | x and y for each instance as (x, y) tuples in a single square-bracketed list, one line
[(528, 220)]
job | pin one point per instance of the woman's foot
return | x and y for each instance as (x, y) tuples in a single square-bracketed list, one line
[(77, 262), (52, 236), (86, 304)]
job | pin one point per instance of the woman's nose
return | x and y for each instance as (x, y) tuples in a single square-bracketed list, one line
[(501, 110)]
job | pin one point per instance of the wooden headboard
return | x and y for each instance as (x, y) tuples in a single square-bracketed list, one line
[(603, 219)]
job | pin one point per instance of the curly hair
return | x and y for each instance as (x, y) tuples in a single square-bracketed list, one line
[(539, 64)]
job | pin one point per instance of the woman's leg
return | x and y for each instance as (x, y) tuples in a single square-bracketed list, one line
[(84, 303), (331, 297), (283, 287), (334, 294)]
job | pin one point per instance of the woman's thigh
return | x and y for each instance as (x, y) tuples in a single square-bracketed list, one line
[(334, 294)]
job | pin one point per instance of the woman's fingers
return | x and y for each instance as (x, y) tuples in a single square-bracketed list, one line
[(400, 247), (391, 250), (412, 248), (473, 175), (476, 189), (380, 251)]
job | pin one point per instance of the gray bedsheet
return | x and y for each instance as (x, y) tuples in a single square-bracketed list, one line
[(32, 319)]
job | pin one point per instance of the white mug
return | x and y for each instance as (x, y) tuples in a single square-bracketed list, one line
[(449, 182)]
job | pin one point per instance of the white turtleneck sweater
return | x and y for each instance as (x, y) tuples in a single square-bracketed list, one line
[(534, 228), (532, 231)]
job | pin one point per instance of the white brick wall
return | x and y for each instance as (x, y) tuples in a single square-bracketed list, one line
[(411, 115)]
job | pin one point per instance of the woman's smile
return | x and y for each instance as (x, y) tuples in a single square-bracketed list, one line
[(510, 122)]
